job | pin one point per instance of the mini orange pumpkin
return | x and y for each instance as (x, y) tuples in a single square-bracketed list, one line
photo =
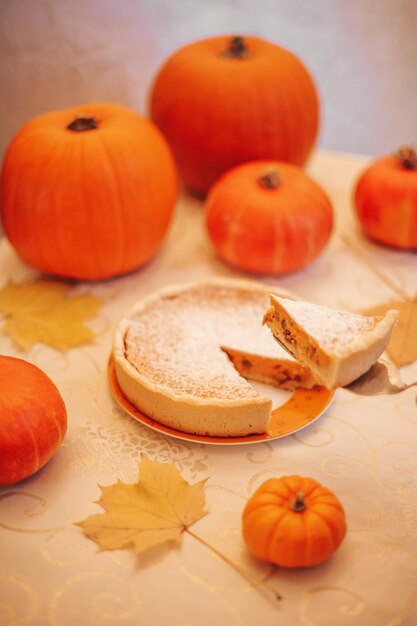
[(268, 217), (293, 522), (385, 198), (33, 419), (87, 192), (226, 100)]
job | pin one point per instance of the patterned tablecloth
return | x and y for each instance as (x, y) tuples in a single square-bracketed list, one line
[(363, 448)]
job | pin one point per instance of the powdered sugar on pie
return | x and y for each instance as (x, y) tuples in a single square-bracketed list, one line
[(172, 357)]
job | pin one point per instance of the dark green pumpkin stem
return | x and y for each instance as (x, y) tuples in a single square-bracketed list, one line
[(81, 124), (237, 48), (270, 179), (407, 157), (298, 504)]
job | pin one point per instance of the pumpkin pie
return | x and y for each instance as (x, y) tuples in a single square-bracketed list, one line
[(336, 346), (183, 355)]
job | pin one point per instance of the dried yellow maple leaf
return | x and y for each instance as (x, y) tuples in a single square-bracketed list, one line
[(402, 348), (44, 311), (158, 508)]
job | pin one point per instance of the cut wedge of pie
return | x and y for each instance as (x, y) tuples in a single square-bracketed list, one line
[(336, 346), (183, 354)]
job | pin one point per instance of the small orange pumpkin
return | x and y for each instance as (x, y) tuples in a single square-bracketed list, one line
[(33, 419), (226, 100), (268, 217), (385, 198), (293, 522), (87, 192)]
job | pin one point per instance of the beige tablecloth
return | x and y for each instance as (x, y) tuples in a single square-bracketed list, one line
[(363, 448)]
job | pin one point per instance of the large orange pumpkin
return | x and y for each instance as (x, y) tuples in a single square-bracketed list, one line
[(268, 217), (293, 521), (225, 100), (385, 199), (87, 192), (33, 419)]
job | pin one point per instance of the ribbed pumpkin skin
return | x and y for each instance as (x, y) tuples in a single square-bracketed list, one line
[(268, 231), (218, 111), (275, 533), (91, 204), (33, 419), (385, 199)]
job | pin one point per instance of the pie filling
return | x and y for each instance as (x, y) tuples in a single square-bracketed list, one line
[(295, 341)]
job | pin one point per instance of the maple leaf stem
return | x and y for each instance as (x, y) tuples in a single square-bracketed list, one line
[(350, 243), (240, 570)]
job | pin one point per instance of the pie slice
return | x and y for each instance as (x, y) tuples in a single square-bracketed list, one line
[(336, 346)]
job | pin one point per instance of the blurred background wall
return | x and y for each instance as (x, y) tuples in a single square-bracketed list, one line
[(362, 54)]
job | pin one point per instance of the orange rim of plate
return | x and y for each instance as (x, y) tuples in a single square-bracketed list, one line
[(300, 410)]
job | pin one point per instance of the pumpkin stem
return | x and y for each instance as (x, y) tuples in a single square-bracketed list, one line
[(270, 179), (407, 157), (81, 124), (237, 48), (298, 504)]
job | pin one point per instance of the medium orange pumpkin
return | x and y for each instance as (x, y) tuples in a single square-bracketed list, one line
[(225, 100), (87, 192), (293, 522), (33, 419), (385, 199), (268, 217)]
